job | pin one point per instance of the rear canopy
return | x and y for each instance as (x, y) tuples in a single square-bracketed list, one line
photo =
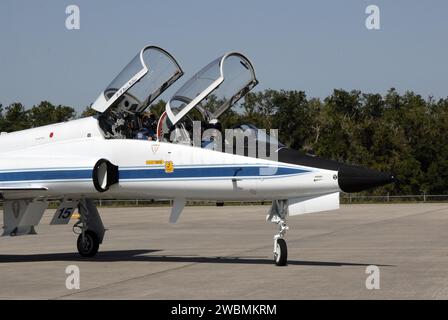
[(214, 89)]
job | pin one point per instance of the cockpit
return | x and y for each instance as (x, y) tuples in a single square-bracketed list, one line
[(191, 116), (123, 103)]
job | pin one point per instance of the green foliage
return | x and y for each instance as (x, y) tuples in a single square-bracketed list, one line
[(88, 112), (158, 108), (46, 113), (15, 118)]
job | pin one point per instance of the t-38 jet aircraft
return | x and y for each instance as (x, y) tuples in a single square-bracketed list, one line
[(125, 153)]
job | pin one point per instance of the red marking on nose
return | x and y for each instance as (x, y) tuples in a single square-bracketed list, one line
[(51, 135)]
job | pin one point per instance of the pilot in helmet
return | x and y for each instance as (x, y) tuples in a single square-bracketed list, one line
[(149, 127)]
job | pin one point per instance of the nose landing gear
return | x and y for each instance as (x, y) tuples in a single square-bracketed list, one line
[(277, 215)]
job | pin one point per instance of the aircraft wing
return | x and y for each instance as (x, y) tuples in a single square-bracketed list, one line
[(22, 188)]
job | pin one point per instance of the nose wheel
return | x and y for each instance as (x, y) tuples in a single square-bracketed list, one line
[(277, 215), (280, 252)]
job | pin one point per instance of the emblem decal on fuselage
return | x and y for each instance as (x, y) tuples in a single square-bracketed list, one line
[(155, 148), (169, 167)]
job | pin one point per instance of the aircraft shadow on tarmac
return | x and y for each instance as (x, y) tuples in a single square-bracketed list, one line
[(142, 256)]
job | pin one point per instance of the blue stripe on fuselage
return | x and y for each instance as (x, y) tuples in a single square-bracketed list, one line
[(155, 173), (208, 172), (45, 175)]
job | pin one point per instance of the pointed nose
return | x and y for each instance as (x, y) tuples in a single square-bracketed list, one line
[(355, 179)]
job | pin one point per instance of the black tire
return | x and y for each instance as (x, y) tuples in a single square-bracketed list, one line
[(281, 254), (91, 245)]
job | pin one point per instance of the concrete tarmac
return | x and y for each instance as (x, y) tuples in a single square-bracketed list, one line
[(226, 253)]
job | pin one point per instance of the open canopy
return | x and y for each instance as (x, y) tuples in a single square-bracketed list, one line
[(150, 73), (214, 89)]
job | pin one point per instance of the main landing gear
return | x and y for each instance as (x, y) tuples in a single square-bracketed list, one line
[(90, 229), (278, 214)]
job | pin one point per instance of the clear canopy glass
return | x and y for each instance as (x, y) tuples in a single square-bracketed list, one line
[(214, 89), (150, 73)]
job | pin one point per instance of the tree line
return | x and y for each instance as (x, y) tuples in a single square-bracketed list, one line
[(402, 133)]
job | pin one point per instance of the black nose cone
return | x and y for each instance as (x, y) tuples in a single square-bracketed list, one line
[(351, 178), (355, 179)]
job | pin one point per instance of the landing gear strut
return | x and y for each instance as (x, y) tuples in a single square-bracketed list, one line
[(90, 229), (277, 215)]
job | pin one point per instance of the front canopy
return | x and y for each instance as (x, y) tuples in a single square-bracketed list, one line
[(150, 73), (213, 89)]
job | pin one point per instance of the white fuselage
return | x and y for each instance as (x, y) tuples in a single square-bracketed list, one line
[(61, 157)]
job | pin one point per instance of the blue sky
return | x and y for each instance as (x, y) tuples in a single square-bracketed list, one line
[(313, 45)]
